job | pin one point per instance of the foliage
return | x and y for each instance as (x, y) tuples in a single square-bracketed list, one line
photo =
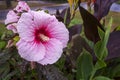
[(84, 66), (93, 51)]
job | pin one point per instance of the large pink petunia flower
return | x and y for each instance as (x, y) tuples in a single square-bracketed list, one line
[(14, 15), (42, 37)]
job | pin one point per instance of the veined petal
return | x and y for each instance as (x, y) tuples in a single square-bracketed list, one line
[(25, 27), (12, 27), (11, 17), (30, 50), (53, 52), (41, 19), (22, 6), (59, 31)]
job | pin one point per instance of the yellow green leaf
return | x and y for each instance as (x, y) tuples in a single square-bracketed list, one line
[(70, 2)]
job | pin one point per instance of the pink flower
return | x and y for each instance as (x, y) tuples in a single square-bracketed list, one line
[(11, 17), (11, 20), (12, 27), (14, 15), (22, 6), (42, 37)]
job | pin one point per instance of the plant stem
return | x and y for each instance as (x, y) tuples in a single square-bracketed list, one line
[(92, 75)]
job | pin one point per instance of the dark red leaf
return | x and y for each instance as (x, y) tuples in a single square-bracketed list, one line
[(102, 7), (90, 25)]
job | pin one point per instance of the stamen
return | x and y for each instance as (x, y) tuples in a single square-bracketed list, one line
[(43, 37)]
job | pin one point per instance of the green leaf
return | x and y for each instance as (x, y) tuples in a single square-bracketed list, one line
[(100, 64), (60, 64), (2, 29), (2, 44), (84, 66), (100, 47), (8, 77), (114, 71), (118, 28), (70, 76), (107, 32), (74, 22), (4, 69), (101, 78), (4, 57), (100, 50), (16, 38), (101, 33)]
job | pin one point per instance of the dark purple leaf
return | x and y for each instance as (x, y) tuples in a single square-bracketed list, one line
[(58, 16), (78, 43), (90, 25), (57, 12), (114, 45), (24, 66), (73, 30), (64, 15), (102, 7), (50, 72)]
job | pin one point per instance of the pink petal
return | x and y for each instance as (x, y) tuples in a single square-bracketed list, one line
[(25, 27), (42, 19), (53, 52), (58, 31), (12, 27), (22, 6), (30, 50), (11, 17)]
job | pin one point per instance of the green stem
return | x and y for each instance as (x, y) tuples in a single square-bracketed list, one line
[(93, 73)]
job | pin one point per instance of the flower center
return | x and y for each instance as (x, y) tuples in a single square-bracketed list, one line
[(43, 37)]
